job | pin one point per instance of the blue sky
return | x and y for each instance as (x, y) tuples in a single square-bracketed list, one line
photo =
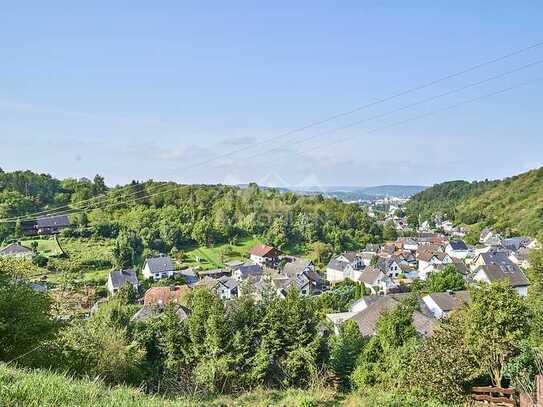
[(138, 90)]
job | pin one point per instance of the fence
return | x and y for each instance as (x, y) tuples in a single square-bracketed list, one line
[(496, 395), (508, 396)]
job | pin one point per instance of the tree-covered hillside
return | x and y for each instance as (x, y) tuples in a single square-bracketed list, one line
[(165, 216), (443, 199), (512, 206)]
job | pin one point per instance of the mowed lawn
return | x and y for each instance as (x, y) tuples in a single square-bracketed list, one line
[(216, 256), (46, 247)]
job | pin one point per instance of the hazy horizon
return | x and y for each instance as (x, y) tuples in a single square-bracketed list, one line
[(172, 92)]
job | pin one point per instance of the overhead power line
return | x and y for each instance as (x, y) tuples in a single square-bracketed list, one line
[(67, 209), (399, 123)]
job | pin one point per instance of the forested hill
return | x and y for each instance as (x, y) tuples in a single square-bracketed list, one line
[(168, 215), (512, 206), (443, 199)]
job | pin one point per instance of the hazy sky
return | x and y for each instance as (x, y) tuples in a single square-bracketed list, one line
[(139, 89)]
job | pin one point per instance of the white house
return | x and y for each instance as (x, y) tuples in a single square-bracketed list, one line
[(431, 258), (116, 279), (376, 281), (264, 255), (498, 272), (345, 266), (457, 249), (441, 304), (227, 288), (158, 267), (390, 266)]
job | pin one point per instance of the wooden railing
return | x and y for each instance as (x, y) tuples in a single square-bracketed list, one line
[(497, 395)]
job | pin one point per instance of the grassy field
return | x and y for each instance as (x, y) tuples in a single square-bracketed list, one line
[(215, 257), (90, 259), (46, 247), (20, 387)]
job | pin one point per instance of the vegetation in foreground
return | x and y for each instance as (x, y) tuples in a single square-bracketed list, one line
[(228, 353), (35, 388)]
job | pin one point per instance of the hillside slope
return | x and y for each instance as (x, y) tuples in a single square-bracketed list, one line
[(37, 388), (443, 199), (513, 206)]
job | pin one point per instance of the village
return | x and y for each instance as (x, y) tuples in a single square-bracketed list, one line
[(386, 273)]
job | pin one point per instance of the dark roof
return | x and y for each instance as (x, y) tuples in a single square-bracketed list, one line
[(119, 278), (228, 282), (53, 221), (497, 258), (14, 249), (458, 245), (189, 276), (459, 265), (160, 264), (212, 272), (510, 272), (448, 301), (248, 269), (385, 263)]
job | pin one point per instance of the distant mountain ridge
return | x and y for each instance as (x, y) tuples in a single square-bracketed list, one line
[(354, 192)]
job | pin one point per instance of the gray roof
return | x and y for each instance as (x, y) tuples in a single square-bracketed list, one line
[(233, 263), (373, 247), (515, 243), (449, 301), (143, 314), (150, 311), (118, 278), (249, 269), (337, 265), (298, 266), (228, 282), (460, 266), (189, 276), (370, 274), (385, 263), (367, 318), (53, 221), (14, 249), (509, 272), (497, 258), (160, 264), (351, 256)]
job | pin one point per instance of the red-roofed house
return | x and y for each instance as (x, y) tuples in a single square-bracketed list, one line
[(264, 255), (164, 295)]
